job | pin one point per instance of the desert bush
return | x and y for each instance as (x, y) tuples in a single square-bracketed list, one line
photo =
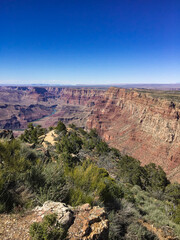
[(172, 193), (94, 182), (131, 172), (154, 210), (89, 144), (16, 160), (93, 133), (53, 187), (51, 128), (32, 134), (48, 229), (176, 214), (136, 231), (69, 144), (77, 197), (156, 177), (82, 131), (73, 126), (68, 160), (120, 220), (102, 147)]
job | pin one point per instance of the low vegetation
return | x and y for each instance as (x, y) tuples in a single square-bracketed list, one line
[(82, 168), (49, 229)]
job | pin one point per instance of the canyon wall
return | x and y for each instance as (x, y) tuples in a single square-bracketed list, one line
[(141, 126), (137, 123)]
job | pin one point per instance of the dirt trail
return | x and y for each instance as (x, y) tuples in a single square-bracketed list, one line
[(15, 227)]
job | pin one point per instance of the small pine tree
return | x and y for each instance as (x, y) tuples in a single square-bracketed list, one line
[(61, 127)]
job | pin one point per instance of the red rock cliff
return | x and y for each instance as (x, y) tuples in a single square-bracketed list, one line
[(141, 126)]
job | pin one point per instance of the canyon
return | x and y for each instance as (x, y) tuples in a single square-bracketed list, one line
[(141, 123)]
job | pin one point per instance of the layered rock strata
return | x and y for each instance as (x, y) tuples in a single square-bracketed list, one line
[(141, 126)]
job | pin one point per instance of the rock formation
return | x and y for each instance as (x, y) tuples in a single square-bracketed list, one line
[(141, 126), (89, 223), (64, 213), (86, 222)]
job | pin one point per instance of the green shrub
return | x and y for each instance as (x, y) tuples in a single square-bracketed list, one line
[(51, 128), (93, 133), (153, 210), (172, 193), (53, 187), (119, 220), (131, 172), (94, 183), (32, 134), (102, 147), (69, 144), (89, 144), (136, 231), (82, 131), (48, 229), (156, 177), (16, 160), (61, 127), (68, 160), (176, 215), (73, 126), (77, 197)]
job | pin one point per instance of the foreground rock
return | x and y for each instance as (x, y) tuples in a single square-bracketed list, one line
[(84, 222), (89, 223), (64, 213)]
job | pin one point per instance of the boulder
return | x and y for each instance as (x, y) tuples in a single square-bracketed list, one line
[(84, 222), (89, 223), (64, 212)]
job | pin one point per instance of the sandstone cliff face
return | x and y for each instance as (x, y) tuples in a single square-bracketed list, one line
[(81, 96), (140, 126)]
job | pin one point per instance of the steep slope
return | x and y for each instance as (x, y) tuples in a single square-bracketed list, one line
[(139, 125)]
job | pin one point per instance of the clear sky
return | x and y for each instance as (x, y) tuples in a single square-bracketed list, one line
[(89, 41)]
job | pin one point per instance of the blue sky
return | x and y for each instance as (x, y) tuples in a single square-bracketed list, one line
[(89, 42)]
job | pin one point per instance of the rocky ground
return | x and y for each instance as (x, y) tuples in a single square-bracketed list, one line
[(86, 222)]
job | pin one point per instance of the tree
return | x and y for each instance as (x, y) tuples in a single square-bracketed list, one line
[(70, 144), (32, 133), (61, 127), (156, 177)]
